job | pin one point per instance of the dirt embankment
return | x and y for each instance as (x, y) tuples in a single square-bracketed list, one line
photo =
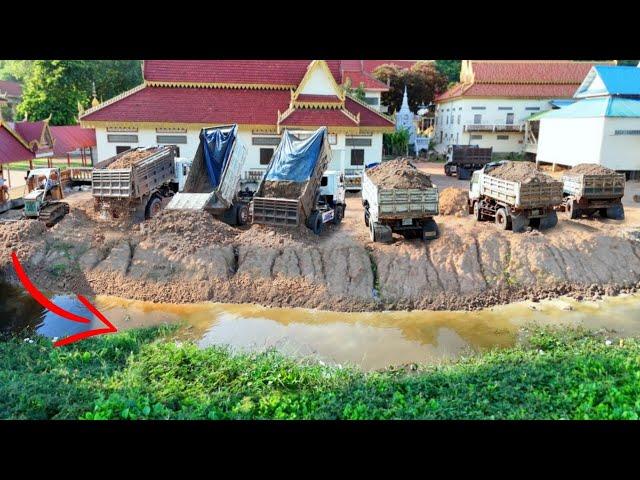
[(182, 257), (453, 201)]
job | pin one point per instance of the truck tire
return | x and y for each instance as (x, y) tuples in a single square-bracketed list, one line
[(315, 223), (476, 212), (572, 209), (502, 219), (430, 230), (366, 218), (338, 214), (549, 221), (242, 214), (447, 170), (602, 212), (616, 212), (519, 223), (372, 232), (154, 205), (463, 174)]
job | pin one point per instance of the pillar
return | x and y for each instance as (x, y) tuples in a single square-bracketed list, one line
[(68, 160)]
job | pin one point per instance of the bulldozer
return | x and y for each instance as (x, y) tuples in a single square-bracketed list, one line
[(43, 200)]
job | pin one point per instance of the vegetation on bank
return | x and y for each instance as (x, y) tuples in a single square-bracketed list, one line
[(144, 374)]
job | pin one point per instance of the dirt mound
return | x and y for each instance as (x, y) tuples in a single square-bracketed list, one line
[(270, 236), (197, 228), (284, 189), (131, 158), (453, 201), (590, 169), (523, 172), (399, 173)]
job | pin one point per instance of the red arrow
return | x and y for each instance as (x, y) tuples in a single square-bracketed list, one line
[(49, 305)]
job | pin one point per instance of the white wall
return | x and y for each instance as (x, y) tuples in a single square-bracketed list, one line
[(318, 84), (620, 152), (453, 115), (570, 141), (146, 137)]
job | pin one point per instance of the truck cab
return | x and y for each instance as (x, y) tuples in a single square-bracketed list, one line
[(331, 197)]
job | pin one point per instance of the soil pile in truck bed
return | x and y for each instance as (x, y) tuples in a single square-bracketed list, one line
[(453, 201), (399, 173), (131, 158), (590, 169), (282, 189), (523, 172)]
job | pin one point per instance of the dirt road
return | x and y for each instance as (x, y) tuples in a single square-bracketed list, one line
[(193, 257)]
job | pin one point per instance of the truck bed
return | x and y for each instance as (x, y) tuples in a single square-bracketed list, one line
[(594, 186), (398, 203), (521, 195)]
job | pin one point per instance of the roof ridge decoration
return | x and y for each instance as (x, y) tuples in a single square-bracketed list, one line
[(318, 104), (367, 106), (237, 86), (324, 68), (113, 100)]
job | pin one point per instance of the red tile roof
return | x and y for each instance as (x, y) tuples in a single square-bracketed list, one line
[(11, 149), (358, 77), (317, 117), (218, 106), (263, 72), (303, 97), (30, 131), (371, 65), (521, 79), (70, 138), (13, 89)]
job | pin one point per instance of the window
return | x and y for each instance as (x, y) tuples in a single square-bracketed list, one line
[(265, 155), (533, 108), (478, 108), (357, 156), (357, 142), (505, 108), (122, 138), (476, 137), (627, 132), (324, 182), (265, 141), (122, 148), (458, 119), (371, 100), (509, 118), (503, 137), (171, 139), (477, 119)]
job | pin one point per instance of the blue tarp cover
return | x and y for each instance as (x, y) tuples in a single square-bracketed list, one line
[(217, 149), (294, 160)]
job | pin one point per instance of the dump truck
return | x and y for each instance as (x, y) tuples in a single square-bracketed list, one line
[(291, 192), (139, 178), (44, 198), (515, 195), (213, 180), (463, 160), (590, 189), (399, 198)]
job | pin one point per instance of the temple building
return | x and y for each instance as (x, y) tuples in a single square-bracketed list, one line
[(179, 98)]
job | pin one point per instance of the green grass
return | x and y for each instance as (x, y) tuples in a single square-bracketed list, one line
[(143, 374), (42, 163)]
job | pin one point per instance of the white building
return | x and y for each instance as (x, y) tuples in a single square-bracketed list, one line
[(179, 98), (602, 127), (490, 104)]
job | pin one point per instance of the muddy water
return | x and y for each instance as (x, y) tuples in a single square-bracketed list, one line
[(369, 340)]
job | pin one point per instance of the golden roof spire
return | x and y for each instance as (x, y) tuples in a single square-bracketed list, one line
[(94, 102)]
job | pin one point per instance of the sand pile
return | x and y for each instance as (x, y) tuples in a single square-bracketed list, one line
[(453, 201), (283, 189), (270, 236), (523, 172), (399, 173), (590, 169), (131, 158), (196, 228)]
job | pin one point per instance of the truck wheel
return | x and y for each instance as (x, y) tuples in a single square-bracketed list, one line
[(338, 214), (242, 215), (463, 174), (616, 212), (572, 210), (430, 230), (476, 211), (372, 232), (366, 218), (518, 223), (315, 223), (154, 205), (602, 212), (502, 219), (549, 221)]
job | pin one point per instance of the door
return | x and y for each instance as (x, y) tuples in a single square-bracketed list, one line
[(509, 118)]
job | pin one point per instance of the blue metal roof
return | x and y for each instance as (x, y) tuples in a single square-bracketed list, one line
[(598, 107), (562, 102), (614, 81)]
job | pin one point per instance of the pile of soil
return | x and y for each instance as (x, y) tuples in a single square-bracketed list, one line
[(271, 236), (282, 189), (196, 228), (590, 169), (453, 201), (523, 172), (399, 173), (131, 158)]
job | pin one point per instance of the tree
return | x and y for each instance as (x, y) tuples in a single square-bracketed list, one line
[(423, 83), (56, 87), (358, 92), (629, 63), (16, 70), (396, 143), (449, 68)]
